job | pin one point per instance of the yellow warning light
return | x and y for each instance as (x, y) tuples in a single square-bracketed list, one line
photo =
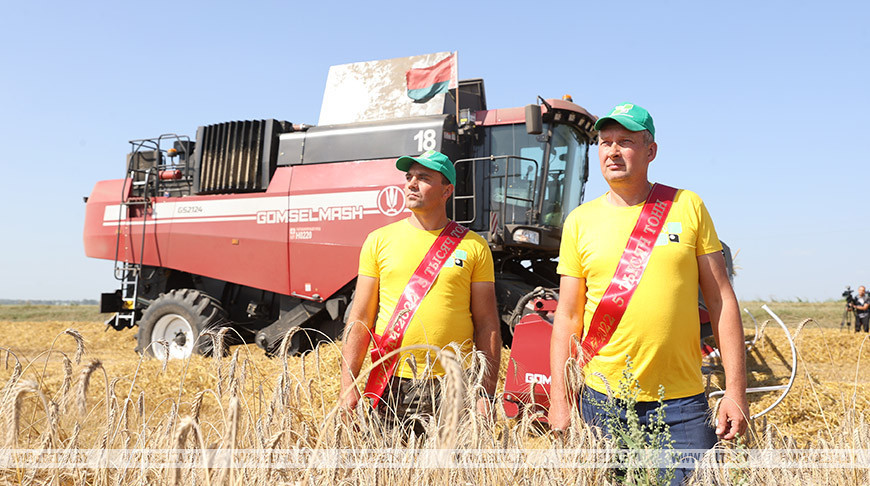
[(172, 152), (568, 97), (128, 305), (235, 241)]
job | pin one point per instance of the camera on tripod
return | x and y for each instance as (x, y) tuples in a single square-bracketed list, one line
[(850, 314), (847, 294)]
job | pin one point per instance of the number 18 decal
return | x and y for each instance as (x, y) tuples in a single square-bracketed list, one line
[(425, 140)]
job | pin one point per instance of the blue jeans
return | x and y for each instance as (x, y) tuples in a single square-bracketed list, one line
[(687, 418)]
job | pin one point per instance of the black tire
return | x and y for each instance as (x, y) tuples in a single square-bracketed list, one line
[(180, 317)]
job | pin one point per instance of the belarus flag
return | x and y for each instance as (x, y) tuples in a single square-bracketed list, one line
[(424, 83)]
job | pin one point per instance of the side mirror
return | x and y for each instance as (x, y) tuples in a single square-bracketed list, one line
[(534, 125)]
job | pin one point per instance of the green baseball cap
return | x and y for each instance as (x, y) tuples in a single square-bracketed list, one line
[(634, 118), (432, 159)]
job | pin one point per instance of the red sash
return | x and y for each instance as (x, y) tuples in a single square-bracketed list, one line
[(417, 288), (631, 266)]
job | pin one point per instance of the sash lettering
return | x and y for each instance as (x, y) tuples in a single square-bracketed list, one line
[(418, 286), (633, 262)]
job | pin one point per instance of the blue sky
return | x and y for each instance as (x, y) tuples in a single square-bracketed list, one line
[(760, 107)]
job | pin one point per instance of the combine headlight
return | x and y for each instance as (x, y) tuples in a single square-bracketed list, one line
[(523, 235)]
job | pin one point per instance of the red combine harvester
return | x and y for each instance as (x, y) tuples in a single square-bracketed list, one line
[(257, 225)]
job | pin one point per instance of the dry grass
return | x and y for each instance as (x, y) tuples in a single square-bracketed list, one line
[(110, 399), (827, 314), (42, 313)]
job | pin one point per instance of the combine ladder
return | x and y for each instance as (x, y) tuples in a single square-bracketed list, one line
[(129, 272), (146, 184), (129, 293)]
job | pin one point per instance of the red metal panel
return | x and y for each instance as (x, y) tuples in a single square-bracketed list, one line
[(505, 116), (501, 116), (703, 315), (133, 247), (324, 255), (301, 236), (570, 106), (110, 225), (544, 305), (280, 181), (99, 240), (227, 243), (528, 370)]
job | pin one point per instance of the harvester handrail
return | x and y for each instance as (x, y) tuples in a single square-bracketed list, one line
[(503, 206), (763, 389)]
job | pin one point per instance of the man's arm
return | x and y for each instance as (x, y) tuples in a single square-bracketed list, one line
[(487, 333), (567, 322), (357, 334), (728, 332), (862, 307)]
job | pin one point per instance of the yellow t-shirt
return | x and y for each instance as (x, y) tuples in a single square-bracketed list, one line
[(661, 328), (392, 253)]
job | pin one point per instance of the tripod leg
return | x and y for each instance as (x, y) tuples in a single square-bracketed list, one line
[(847, 318)]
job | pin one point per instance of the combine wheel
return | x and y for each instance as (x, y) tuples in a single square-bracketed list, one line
[(179, 318)]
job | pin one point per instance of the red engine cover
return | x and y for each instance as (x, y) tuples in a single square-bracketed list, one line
[(527, 384), (301, 237)]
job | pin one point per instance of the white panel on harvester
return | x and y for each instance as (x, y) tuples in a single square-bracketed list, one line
[(379, 90)]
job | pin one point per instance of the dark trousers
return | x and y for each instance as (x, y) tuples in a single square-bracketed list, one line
[(687, 418), (862, 322), (409, 404)]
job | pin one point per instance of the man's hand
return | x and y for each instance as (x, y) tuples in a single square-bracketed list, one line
[(349, 400), (485, 407), (357, 335), (728, 332), (733, 417), (559, 415), (487, 336), (567, 324)]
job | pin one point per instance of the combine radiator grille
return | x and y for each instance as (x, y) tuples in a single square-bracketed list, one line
[(232, 157), (237, 156)]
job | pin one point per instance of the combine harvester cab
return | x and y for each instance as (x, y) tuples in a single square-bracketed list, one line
[(256, 226)]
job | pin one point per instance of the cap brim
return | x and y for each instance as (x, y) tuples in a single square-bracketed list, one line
[(626, 122), (405, 162)]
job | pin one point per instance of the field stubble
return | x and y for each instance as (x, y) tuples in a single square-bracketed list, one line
[(249, 401)]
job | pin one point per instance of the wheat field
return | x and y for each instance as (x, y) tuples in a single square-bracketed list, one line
[(77, 398)]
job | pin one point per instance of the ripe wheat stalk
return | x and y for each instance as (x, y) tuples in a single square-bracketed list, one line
[(214, 406)]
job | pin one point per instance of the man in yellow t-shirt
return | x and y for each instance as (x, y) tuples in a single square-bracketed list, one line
[(460, 307), (660, 330)]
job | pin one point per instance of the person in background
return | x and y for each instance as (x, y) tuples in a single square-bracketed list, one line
[(862, 310)]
